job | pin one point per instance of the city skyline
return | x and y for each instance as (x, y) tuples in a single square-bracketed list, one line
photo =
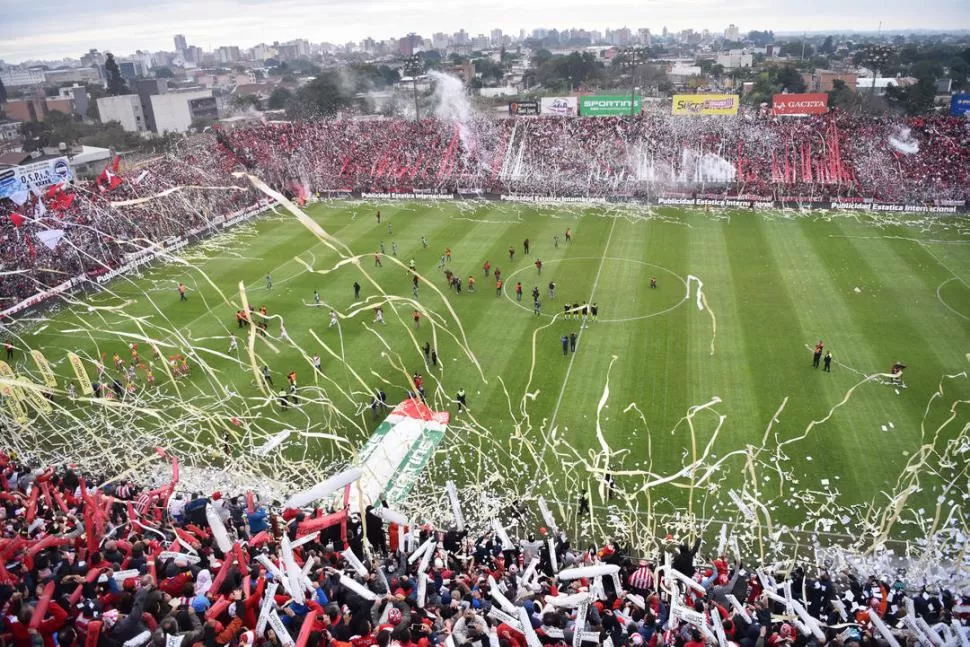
[(65, 29)]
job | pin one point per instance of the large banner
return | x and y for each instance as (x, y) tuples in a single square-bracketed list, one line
[(609, 106), (960, 105), (524, 108), (559, 106), (36, 175), (706, 104), (800, 104)]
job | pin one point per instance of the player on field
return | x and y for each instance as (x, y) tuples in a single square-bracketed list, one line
[(333, 319), (233, 344), (316, 297), (518, 290), (525, 246), (269, 282), (539, 265), (486, 267), (511, 253), (182, 296)]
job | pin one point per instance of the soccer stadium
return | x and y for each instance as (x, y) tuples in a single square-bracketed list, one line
[(653, 379)]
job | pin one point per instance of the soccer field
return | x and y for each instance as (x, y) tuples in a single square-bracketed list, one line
[(691, 392)]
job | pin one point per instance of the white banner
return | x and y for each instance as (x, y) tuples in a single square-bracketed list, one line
[(37, 175), (559, 106)]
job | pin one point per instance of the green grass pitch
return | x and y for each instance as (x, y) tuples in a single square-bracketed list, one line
[(875, 289)]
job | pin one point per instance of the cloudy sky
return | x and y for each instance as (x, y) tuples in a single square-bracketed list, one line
[(50, 29)]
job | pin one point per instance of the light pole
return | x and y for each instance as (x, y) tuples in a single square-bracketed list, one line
[(413, 65), (633, 57)]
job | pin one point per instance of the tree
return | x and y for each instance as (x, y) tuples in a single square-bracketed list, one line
[(490, 71), (914, 99), (3, 92), (761, 38), (541, 57), (321, 97), (280, 98), (116, 84), (841, 97), (245, 101), (827, 47), (796, 48), (789, 79)]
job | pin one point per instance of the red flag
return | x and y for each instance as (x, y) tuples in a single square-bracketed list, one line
[(17, 219), (52, 191), (115, 163)]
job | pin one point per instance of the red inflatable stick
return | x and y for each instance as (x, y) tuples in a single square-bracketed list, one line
[(306, 628), (32, 505), (320, 523), (216, 609), (40, 610), (94, 634)]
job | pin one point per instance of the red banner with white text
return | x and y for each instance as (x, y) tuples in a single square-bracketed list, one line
[(800, 104)]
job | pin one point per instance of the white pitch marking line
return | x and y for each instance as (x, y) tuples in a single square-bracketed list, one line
[(562, 391)]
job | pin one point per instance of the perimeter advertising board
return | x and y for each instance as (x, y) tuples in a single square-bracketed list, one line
[(609, 106), (800, 104), (36, 175), (524, 108), (559, 106), (705, 104), (960, 105)]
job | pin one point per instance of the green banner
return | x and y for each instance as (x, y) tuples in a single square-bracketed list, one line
[(609, 105), (404, 472)]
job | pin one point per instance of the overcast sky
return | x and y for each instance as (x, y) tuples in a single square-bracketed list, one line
[(52, 29)]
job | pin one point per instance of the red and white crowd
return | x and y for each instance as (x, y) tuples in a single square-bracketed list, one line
[(89, 561)]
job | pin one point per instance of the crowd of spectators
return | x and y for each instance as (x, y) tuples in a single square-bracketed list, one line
[(821, 157), (97, 236), (837, 155), (90, 562)]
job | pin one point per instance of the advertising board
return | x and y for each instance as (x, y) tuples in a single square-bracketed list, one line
[(609, 106), (705, 104), (800, 104), (559, 106)]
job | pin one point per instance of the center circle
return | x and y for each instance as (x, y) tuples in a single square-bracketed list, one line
[(509, 282)]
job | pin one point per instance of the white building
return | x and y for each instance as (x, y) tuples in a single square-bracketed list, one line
[(126, 109), (734, 59), (175, 111), (14, 77)]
